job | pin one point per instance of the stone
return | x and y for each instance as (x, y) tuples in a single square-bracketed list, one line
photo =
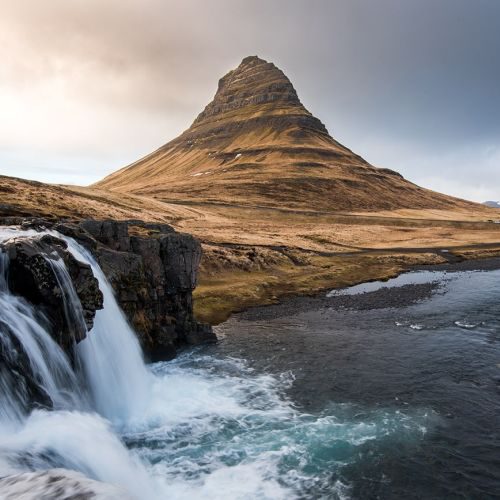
[(33, 276), (151, 267), (57, 483), (17, 381)]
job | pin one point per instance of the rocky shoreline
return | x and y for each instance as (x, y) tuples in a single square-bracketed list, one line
[(395, 297)]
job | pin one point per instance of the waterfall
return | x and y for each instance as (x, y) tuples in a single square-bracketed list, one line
[(196, 427), (21, 325), (111, 379), (110, 355)]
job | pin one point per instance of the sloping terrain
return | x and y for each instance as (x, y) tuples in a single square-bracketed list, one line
[(279, 206), (256, 255), (255, 144), (492, 204)]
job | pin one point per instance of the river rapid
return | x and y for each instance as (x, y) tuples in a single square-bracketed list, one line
[(293, 402)]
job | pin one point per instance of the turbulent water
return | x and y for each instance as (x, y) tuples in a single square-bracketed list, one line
[(320, 404)]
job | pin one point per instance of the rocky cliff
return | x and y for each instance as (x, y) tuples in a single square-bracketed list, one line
[(153, 270), (32, 274), (151, 267)]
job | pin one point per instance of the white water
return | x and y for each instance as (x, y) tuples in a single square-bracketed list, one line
[(48, 363), (118, 382), (196, 427), (111, 356)]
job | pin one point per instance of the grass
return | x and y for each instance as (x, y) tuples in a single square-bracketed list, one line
[(219, 296), (257, 255)]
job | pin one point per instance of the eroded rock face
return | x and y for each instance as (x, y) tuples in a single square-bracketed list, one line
[(256, 82), (153, 271), (32, 274)]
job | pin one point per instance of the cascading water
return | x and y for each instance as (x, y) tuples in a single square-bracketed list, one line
[(197, 427), (50, 367), (111, 357), (114, 373)]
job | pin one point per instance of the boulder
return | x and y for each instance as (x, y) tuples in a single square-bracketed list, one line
[(57, 483)]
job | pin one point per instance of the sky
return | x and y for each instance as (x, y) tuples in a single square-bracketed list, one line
[(89, 86)]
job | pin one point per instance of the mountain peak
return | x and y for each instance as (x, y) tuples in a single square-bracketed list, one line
[(254, 86), (252, 60), (255, 144)]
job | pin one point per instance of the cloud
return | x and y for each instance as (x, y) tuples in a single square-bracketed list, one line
[(106, 82)]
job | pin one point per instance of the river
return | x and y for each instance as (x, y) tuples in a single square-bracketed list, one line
[(384, 391)]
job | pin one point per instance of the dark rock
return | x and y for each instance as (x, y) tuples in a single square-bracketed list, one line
[(17, 381), (77, 233), (110, 233), (151, 267), (153, 271), (181, 255), (32, 274)]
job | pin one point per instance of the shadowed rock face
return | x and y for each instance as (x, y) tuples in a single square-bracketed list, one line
[(151, 267), (256, 144), (32, 275), (153, 270)]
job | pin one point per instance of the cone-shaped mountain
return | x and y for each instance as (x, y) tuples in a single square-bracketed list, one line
[(256, 144)]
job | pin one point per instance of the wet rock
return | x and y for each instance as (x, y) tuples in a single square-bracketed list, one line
[(152, 269), (33, 275), (57, 483), (17, 381)]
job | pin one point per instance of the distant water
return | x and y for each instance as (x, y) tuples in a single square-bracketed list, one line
[(386, 403), (411, 278)]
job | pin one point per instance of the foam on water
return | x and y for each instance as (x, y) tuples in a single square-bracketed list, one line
[(232, 431), (196, 427)]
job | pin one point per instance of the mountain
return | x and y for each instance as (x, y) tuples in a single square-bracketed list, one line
[(492, 204), (256, 144)]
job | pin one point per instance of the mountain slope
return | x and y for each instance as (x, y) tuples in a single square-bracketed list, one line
[(492, 204), (255, 144)]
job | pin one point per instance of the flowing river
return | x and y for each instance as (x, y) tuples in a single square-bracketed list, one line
[(308, 403)]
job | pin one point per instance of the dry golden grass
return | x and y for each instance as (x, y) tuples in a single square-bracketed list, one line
[(255, 144), (255, 255), (279, 205)]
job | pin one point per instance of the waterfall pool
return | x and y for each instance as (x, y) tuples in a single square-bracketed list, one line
[(318, 404)]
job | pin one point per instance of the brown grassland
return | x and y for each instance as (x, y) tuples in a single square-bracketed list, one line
[(256, 255), (278, 204)]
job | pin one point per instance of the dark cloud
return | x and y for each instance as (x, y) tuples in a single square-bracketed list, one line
[(409, 85)]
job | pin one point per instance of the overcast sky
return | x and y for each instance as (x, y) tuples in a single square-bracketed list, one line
[(88, 86)]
